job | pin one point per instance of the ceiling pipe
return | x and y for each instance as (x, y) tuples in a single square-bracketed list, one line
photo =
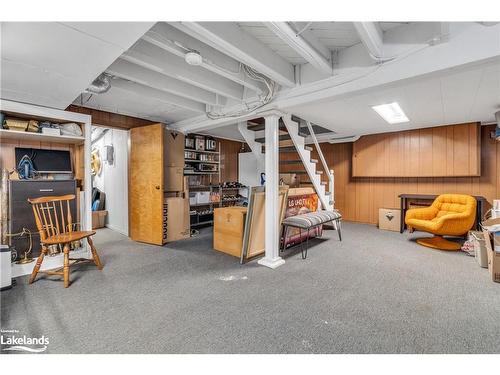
[(100, 85), (286, 33), (488, 23)]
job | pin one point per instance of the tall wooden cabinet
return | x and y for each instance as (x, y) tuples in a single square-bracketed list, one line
[(156, 165)]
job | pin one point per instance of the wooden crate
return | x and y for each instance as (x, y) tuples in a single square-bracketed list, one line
[(229, 227)]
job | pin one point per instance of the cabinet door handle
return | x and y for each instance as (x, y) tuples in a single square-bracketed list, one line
[(46, 190), (157, 187)]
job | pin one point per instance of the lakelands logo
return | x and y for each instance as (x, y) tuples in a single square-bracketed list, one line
[(11, 340)]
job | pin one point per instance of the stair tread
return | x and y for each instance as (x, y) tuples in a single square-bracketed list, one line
[(317, 129), (302, 171), (310, 183), (293, 149), (295, 161), (282, 137)]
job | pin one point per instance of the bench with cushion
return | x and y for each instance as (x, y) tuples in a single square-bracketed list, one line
[(310, 221)]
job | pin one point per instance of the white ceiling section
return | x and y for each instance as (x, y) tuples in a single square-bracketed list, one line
[(460, 95), (51, 63), (330, 73)]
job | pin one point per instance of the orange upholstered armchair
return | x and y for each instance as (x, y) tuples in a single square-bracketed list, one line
[(449, 215)]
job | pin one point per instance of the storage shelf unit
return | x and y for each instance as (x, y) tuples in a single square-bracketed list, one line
[(202, 151), (29, 136), (187, 173), (193, 158), (78, 144), (216, 204), (199, 161)]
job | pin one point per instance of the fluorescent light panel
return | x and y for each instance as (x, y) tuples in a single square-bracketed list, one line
[(392, 113)]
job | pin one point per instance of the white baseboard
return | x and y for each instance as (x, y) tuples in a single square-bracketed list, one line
[(119, 230)]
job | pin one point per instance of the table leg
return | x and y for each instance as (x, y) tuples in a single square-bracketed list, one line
[(479, 212), (402, 209)]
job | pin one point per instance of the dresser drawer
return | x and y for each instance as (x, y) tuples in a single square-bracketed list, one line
[(21, 212), (22, 190)]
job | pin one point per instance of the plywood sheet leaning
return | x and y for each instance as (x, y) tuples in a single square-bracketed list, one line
[(255, 226)]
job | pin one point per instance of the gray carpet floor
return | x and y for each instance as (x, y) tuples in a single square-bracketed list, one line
[(374, 292)]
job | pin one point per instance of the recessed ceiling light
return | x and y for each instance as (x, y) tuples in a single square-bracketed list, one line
[(392, 113), (193, 58)]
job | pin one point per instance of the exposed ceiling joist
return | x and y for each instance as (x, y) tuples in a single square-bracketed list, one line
[(230, 39), (371, 37), (178, 43), (157, 59), (132, 72), (286, 33), (426, 61), (159, 95)]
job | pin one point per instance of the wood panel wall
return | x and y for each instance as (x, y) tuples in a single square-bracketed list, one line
[(229, 151), (452, 150), (112, 120), (359, 198)]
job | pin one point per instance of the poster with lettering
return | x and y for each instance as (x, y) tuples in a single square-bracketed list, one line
[(298, 205)]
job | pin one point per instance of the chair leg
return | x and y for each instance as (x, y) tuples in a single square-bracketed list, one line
[(38, 265), (66, 265), (95, 256), (339, 227)]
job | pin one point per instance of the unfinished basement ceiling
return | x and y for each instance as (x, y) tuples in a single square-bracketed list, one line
[(51, 63)]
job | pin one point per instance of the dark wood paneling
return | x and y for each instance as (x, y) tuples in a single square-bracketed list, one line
[(229, 151), (112, 120)]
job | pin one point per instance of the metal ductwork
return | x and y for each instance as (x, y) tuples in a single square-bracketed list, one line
[(100, 85), (488, 24)]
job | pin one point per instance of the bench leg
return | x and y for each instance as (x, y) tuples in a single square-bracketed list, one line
[(304, 252), (285, 232), (339, 227)]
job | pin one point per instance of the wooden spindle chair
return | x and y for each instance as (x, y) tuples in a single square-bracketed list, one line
[(55, 225)]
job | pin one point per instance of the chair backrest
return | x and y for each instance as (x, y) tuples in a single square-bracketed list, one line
[(52, 215), (454, 204)]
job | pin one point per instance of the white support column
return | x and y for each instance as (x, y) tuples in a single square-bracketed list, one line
[(272, 258)]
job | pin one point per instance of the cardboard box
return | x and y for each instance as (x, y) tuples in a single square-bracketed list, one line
[(176, 222), (389, 219), (229, 227), (173, 149), (480, 251), (202, 197), (289, 179), (492, 241), (98, 219), (174, 179), (51, 131)]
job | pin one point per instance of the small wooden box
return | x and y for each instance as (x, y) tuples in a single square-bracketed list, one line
[(389, 219), (229, 226), (98, 219)]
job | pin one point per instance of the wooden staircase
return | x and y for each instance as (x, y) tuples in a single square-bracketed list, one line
[(295, 156)]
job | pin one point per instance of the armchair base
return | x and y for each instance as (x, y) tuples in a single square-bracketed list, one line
[(438, 242)]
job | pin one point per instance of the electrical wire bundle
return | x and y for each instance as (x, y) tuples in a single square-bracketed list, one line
[(272, 88)]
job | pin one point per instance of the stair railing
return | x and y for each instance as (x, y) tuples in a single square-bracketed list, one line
[(329, 172)]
